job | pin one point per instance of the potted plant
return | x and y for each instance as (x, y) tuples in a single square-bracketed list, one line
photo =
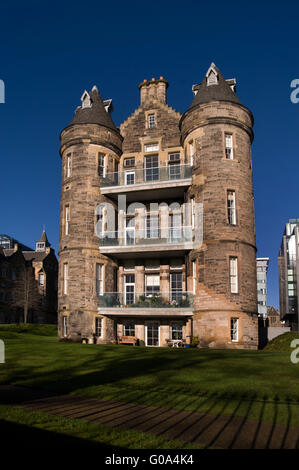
[(194, 341)]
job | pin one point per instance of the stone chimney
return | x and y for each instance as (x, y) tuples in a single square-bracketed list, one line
[(153, 90)]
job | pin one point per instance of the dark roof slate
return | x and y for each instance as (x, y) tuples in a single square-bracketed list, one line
[(35, 255), (218, 92), (95, 114), (44, 238)]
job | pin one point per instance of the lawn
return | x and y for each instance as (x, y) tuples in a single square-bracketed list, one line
[(260, 385)]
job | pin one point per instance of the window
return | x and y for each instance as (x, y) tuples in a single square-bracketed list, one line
[(151, 147), (68, 165), (99, 279), (67, 219), (229, 146), (129, 328), (100, 222), (233, 274), (175, 227), (234, 329), (151, 121), (152, 226), (191, 152), (151, 168), (65, 278), (3, 271), (40, 246), (231, 207), (152, 284), (130, 177), (192, 213), (41, 279), (194, 276), (176, 286), (177, 330), (3, 295), (13, 276), (129, 162), (129, 289), (174, 166), (98, 328), (101, 165), (65, 326)]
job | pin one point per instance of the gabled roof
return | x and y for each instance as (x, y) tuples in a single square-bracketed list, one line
[(92, 110), (271, 311), (35, 255), (214, 87)]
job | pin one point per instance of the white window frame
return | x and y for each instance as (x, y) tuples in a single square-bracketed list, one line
[(68, 165), (102, 160), (234, 329), (41, 279), (67, 219), (125, 327), (151, 120), (191, 151), (146, 330), (173, 330), (151, 148), (151, 280), (99, 320), (233, 274), (231, 207), (229, 150), (194, 276), (65, 325), (65, 278), (126, 175), (99, 279)]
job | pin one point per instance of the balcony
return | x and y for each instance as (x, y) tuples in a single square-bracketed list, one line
[(148, 240), (131, 181), (174, 303)]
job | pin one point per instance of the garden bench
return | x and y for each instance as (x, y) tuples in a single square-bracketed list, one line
[(127, 340)]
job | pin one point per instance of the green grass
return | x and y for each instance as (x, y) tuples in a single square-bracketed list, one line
[(79, 432), (260, 385), (282, 343)]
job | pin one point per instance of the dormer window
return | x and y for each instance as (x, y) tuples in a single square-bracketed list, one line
[(86, 101), (40, 246), (151, 121), (212, 75)]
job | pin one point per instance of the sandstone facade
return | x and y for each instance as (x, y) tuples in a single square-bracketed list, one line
[(174, 256)]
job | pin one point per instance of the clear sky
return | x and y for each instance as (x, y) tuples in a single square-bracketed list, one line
[(51, 51)]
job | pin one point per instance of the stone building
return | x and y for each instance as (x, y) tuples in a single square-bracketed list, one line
[(157, 236), (28, 282), (262, 265), (288, 271)]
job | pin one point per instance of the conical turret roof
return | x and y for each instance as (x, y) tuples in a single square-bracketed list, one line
[(92, 111), (214, 87), (44, 238)]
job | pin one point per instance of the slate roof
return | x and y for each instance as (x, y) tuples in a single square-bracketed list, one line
[(35, 255), (96, 114), (44, 238), (218, 92), (272, 312)]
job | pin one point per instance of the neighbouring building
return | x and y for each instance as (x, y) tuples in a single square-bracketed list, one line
[(28, 282), (288, 267), (157, 233), (262, 265), (273, 317)]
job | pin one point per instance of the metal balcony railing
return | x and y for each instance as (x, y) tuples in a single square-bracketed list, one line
[(173, 299), (157, 174), (151, 236)]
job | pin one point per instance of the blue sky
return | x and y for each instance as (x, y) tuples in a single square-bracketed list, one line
[(51, 51)]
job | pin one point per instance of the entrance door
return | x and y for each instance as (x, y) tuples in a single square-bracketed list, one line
[(152, 333)]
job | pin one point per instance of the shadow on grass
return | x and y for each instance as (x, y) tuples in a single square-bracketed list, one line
[(32, 438)]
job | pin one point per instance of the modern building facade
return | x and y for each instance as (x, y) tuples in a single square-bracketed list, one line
[(157, 236), (262, 265), (28, 282), (288, 268)]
